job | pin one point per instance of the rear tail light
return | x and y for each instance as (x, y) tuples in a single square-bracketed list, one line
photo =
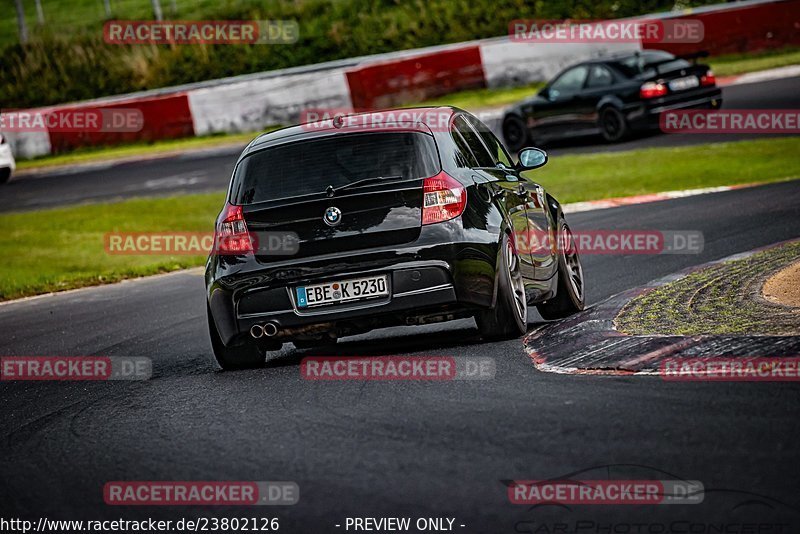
[(444, 198), (708, 78), (231, 235), (652, 90)]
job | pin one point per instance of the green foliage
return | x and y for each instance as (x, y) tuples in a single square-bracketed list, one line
[(67, 59)]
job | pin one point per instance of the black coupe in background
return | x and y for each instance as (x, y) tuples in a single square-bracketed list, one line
[(394, 223), (611, 97)]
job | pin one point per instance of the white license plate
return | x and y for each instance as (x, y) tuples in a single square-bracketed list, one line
[(342, 291), (681, 84)]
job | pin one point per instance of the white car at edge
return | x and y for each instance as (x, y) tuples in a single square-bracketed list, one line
[(7, 162)]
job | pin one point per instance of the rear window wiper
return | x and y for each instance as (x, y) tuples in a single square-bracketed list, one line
[(364, 181)]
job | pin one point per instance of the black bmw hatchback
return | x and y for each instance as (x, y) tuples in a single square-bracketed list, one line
[(399, 217), (612, 97)]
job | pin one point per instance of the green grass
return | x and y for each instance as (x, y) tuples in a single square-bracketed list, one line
[(63, 248), (754, 61), (102, 153), (595, 176), (724, 300), (77, 16), (475, 99)]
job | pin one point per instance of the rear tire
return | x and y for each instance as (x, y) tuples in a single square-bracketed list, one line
[(570, 292), (509, 317), (233, 357), (613, 125), (5, 174), (516, 133)]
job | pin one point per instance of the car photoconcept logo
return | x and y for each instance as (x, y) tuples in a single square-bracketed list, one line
[(333, 216)]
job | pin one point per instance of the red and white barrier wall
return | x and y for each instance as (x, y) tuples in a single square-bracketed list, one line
[(394, 82), (162, 116), (253, 102), (743, 27), (251, 105)]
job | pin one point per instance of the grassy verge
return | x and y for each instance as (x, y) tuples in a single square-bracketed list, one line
[(476, 99), (608, 175), (64, 248), (729, 65), (725, 300)]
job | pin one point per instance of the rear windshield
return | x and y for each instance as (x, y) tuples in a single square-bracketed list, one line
[(646, 62), (310, 166)]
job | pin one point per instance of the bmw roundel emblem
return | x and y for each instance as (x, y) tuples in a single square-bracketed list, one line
[(333, 216)]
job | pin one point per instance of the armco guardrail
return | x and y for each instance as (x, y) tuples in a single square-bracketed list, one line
[(252, 102)]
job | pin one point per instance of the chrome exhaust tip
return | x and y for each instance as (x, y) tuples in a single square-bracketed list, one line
[(269, 329), (256, 331)]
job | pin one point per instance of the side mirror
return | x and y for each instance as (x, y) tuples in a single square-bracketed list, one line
[(531, 158)]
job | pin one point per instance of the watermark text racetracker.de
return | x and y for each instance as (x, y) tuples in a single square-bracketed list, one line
[(317, 118), (607, 31), (69, 368), (199, 243), (620, 242), (608, 492), (731, 369), (79, 120), (201, 493), (731, 121), (190, 32), (389, 368)]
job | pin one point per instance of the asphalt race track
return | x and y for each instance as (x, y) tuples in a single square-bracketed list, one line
[(413, 449), (211, 170)]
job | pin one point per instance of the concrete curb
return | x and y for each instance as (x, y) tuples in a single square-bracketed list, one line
[(591, 205), (777, 73)]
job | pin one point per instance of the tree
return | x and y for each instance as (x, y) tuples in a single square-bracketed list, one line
[(39, 13), (157, 9), (23, 29)]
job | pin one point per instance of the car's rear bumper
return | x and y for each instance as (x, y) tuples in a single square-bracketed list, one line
[(421, 288), (426, 278), (646, 115)]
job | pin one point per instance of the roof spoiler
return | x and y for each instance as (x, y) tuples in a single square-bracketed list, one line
[(693, 57)]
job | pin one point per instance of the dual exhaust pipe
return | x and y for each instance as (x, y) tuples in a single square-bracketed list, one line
[(267, 329)]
